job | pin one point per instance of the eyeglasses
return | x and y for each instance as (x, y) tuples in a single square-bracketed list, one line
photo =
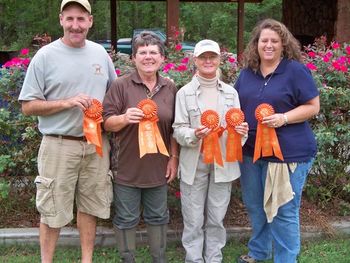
[(211, 57), (150, 53)]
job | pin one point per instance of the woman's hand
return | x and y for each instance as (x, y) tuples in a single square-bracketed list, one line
[(274, 121), (201, 132), (133, 115), (242, 129), (171, 169)]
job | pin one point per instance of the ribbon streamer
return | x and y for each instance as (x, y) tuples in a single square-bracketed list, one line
[(266, 141), (149, 134), (211, 147), (233, 117), (92, 125)]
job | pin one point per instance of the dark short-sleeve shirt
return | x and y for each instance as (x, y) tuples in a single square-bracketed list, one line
[(127, 166), (290, 86)]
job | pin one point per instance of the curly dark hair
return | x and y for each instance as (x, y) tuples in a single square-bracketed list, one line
[(146, 38), (291, 46)]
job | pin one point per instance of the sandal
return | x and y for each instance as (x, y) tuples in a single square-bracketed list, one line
[(246, 259)]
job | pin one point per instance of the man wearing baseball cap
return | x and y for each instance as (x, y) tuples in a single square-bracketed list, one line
[(205, 187), (83, 3), (62, 80)]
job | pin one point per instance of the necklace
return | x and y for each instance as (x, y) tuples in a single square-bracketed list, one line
[(267, 81)]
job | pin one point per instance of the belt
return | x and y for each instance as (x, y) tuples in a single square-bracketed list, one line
[(68, 137)]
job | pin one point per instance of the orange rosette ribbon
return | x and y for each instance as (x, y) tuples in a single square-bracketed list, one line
[(233, 117), (266, 141), (149, 134), (211, 146), (92, 125)]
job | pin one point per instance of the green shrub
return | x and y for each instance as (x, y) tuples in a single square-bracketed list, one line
[(331, 69), (329, 181), (19, 135)]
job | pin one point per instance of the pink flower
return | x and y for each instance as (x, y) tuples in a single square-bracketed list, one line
[(8, 64), (178, 47), (311, 54), (231, 59), (117, 71), (326, 59), (181, 67), (178, 194), (26, 61), (342, 60), (311, 66), (343, 68), (347, 50), (24, 51), (329, 54), (335, 45), (168, 67), (185, 60), (336, 65), (177, 33)]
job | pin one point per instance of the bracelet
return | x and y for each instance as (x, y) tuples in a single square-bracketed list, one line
[(285, 119), (175, 156)]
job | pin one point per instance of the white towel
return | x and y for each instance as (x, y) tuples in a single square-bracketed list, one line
[(278, 190)]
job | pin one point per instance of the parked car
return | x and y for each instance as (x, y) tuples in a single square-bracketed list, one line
[(124, 44)]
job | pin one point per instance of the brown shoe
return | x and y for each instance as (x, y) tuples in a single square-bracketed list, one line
[(246, 259)]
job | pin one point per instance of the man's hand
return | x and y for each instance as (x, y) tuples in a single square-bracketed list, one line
[(81, 101)]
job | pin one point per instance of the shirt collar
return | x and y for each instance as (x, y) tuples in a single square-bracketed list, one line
[(196, 83), (135, 77)]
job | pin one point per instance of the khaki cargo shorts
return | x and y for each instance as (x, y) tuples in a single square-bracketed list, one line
[(71, 170)]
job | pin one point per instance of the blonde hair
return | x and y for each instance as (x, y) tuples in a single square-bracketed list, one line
[(290, 45)]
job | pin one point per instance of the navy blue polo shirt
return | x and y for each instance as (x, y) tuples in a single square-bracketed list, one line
[(289, 86)]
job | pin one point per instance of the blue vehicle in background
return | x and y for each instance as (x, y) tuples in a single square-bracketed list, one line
[(124, 45)]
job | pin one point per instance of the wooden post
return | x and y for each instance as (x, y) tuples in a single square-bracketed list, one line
[(240, 32), (173, 10), (113, 10)]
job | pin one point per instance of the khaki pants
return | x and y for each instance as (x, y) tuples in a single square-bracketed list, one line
[(71, 170), (204, 205)]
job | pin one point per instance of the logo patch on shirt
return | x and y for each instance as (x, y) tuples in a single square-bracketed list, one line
[(98, 69)]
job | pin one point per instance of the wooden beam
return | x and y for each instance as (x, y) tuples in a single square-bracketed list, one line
[(198, 1), (113, 10), (240, 31), (172, 19)]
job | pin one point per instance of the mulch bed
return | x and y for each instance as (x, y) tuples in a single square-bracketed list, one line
[(23, 214)]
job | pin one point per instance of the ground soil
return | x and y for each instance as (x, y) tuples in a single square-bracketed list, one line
[(18, 210), (23, 213)]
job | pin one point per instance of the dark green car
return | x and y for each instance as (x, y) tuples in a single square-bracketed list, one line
[(124, 44)]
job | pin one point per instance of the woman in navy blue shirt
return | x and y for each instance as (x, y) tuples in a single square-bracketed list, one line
[(271, 187)]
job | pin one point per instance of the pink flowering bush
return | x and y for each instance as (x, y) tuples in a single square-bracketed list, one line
[(330, 66), (16, 158)]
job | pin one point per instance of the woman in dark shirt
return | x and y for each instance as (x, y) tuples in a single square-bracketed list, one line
[(273, 75)]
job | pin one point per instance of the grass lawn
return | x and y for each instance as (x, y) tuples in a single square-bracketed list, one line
[(317, 251)]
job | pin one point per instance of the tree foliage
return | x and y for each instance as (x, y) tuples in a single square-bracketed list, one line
[(20, 21)]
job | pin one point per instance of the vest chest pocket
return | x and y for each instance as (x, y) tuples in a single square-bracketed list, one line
[(195, 115), (229, 100)]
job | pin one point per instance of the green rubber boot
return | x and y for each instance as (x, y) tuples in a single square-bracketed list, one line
[(157, 236), (126, 244)]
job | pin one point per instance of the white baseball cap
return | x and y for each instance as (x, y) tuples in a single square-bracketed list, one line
[(206, 45), (84, 3)]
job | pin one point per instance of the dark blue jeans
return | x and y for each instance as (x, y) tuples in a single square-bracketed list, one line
[(284, 231), (128, 201)]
